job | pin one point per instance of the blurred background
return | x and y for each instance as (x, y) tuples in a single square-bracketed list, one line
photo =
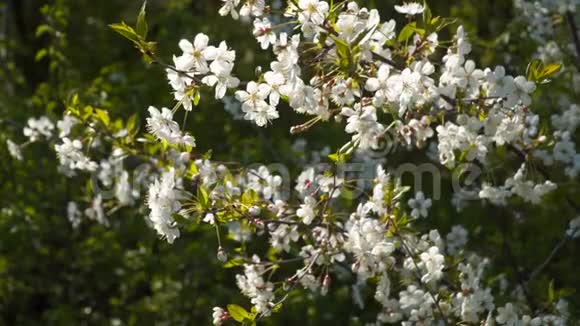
[(52, 274)]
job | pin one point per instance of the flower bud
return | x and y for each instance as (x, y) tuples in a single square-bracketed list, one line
[(254, 210), (327, 281), (222, 169), (259, 223), (184, 156), (209, 218), (325, 284), (222, 255), (542, 139)]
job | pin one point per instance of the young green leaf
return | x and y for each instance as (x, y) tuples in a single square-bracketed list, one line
[(426, 13), (103, 116), (238, 313), (408, 31), (202, 197), (234, 263), (537, 71), (142, 27), (196, 97), (127, 32)]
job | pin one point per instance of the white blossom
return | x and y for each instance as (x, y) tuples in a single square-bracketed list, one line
[(65, 125), (37, 129), (70, 155), (163, 202), (162, 126), (410, 8), (14, 150), (264, 33), (307, 210), (434, 264), (419, 205), (229, 8), (197, 55), (254, 104)]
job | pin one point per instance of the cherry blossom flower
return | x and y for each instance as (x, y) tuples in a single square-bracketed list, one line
[(307, 210), (229, 8), (264, 33), (410, 8), (163, 201), (434, 264), (419, 205), (197, 55)]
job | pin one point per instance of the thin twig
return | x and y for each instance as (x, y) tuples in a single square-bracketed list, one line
[(520, 277), (410, 253), (300, 274), (385, 60), (281, 261), (548, 259), (574, 32)]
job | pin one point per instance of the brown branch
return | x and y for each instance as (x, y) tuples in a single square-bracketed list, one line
[(574, 32), (385, 60), (549, 258), (520, 277)]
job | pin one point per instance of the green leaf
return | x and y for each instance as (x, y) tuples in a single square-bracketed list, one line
[(193, 171), (334, 157), (435, 20), (532, 69), (551, 69), (131, 126), (442, 22), (566, 292), (249, 197), (127, 32), (234, 263), (551, 292), (43, 29), (538, 71), (103, 116), (207, 155), (202, 197), (142, 27), (408, 31), (426, 13), (41, 54), (342, 50), (337, 157), (196, 97), (238, 313), (277, 308)]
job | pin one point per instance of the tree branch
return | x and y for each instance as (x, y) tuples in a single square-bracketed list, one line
[(574, 31), (548, 259)]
